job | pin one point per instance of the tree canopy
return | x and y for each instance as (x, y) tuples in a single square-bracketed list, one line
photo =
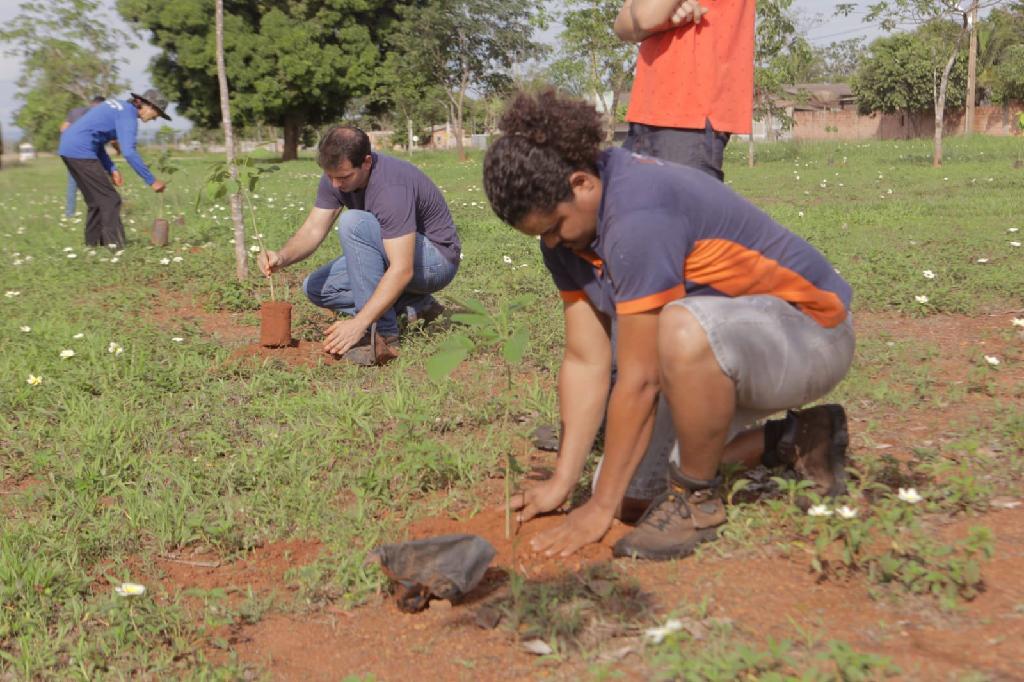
[(291, 63), (68, 53)]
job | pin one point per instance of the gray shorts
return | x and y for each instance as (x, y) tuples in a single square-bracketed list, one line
[(778, 357)]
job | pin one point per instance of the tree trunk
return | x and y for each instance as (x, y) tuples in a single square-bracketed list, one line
[(241, 257), (1, 145), (972, 70), (750, 146), (458, 123), (292, 130), (940, 102)]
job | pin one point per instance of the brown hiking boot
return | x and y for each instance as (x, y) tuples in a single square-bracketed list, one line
[(814, 442), (678, 520), (373, 350)]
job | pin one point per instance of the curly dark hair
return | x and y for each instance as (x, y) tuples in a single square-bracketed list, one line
[(547, 137)]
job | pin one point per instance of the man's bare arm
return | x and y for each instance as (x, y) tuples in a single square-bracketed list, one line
[(640, 19)]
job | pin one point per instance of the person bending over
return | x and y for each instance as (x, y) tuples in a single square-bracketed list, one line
[(721, 310), (399, 241)]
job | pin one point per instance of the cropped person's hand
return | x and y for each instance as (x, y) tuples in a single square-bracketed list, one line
[(583, 526), (687, 11), (269, 262), (116, 178), (538, 499), (159, 186), (344, 334)]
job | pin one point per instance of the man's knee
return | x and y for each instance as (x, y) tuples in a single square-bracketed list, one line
[(312, 292), (681, 337), (359, 224)]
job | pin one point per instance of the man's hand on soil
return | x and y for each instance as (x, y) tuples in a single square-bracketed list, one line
[(158, 186), (539, 499), (343, 334), (268, 262), (583, 526)]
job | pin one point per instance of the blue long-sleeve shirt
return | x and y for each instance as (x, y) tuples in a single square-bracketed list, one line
[(115, 119)]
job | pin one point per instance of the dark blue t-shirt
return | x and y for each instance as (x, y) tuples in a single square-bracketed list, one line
[(402, 199), (75, 114), (667, 231)]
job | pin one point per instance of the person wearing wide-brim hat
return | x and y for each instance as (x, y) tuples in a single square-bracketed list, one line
[(82, 150)]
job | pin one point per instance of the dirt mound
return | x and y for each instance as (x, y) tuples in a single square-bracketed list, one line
[(298, 354), (514, 553), (263, 568)]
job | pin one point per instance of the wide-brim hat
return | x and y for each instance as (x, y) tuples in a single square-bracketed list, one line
[(155, 99)]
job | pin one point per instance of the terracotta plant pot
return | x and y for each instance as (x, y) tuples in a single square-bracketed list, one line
[(275, 324), (158, 235)]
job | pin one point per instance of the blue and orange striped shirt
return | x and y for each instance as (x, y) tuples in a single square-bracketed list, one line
[(666, 231)]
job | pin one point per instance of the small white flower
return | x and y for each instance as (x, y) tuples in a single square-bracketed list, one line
[(1017, 322), (819, 510), (33, 380), (72, 255), (909, 495), (255, 248), (68, 248), (1014, 244), (982, 260), (26, 329), (658, 635), (1011, 230), (928, 274), (79, 335), (800, 213), (177, 339), (508, 260), (67, 353), (130, 590), (921, 299), (177, 259), (12, 294), (992, 360), (114, 259), (115, 348), (846, 512), (165, 261)]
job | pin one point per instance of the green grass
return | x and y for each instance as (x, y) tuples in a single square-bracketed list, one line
[(169, 444)]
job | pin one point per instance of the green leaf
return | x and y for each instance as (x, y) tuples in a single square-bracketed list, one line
[(471, 319), (444, 362), (476, 306), (514, 348)]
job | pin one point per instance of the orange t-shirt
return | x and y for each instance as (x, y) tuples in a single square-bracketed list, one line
[(699, 71)]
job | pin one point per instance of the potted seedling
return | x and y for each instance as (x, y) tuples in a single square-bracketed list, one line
[(161, 228), (275, 316)]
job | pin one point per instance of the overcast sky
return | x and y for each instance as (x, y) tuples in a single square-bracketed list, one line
[(821, 31)]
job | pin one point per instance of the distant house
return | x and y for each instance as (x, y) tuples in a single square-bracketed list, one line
[(443, 137)]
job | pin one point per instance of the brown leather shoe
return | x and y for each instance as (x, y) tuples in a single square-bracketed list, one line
[(678, 520), (373, 350), (814, 442)]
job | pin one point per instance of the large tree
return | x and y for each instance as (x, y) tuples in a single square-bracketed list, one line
[(464, 45), (68, 51), (291, 63), (902, 73), (592, 62)]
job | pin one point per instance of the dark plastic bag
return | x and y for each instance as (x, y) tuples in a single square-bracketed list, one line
[(445, 567)]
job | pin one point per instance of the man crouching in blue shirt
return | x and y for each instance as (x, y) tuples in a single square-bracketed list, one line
[(81, 148), (399, 242)]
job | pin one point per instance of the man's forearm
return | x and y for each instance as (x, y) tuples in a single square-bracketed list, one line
[(582, 395), (631, 412), (390, 287), (640, 19)]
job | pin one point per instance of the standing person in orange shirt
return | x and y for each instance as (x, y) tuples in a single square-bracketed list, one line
[(694, 83)]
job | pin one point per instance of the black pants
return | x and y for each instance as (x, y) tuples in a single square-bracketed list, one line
[(103, 225), (701, 149)]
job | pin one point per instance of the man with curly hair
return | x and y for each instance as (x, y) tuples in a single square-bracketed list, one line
[(722, 311), (694, 83)]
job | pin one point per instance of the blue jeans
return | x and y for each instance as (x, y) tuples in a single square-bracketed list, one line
[(69, 204), (345, 284)]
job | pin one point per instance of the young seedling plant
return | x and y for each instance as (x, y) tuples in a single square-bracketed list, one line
[(166, 167), (489, 331), (219, 184)]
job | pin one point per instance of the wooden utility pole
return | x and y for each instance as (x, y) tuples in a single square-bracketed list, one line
[(972, 69), (241, 257)]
